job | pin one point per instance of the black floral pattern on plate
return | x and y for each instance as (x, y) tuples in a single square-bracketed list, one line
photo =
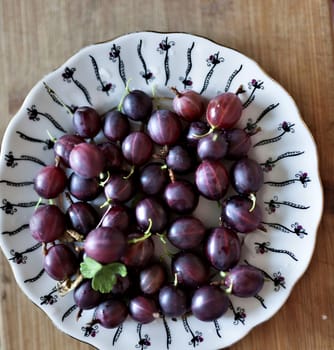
[(212, 61), (68, 76), (146, 73), (163, 48), (187, 80), (115, 56), (104, 85)]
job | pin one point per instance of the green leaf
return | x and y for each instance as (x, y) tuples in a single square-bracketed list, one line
[(105, 279), (118, 268), (103, 282), (90, 267)]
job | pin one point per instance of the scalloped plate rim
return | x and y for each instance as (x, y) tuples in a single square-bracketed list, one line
[(36, 88)]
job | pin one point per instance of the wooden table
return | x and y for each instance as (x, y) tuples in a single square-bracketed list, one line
[(292, 41)]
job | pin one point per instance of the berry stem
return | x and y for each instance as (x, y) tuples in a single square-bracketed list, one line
[(171, 175), (240, 90), (105, 178), (199, 136), (140, 239), (107, 202), (44, 248), (175, 283), (223, 274), (68, 285), (68, 197), (162, 237), (104, 215), (52, 138), (229, 289), (255, 131), (166, 98), (146, 234), (132, 170), (57, 161), (38, 203), (252, 197), (154, 91), (126, 92), (176, 91), (74, 235), (150, 223)]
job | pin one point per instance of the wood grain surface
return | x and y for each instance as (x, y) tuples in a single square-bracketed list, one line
[(291, 39)]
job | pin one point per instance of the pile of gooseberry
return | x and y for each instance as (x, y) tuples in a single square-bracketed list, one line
[(141, 251)]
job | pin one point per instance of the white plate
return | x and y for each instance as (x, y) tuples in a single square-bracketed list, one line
[(291, 197)]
